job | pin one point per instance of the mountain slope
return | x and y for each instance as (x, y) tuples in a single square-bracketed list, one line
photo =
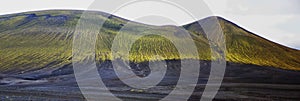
[(43, 39), (248, 48)]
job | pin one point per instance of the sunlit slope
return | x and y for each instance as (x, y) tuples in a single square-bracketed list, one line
[(34, 40), (248, 48)]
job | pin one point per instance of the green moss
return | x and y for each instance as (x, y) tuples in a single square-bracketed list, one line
[(32, 46)]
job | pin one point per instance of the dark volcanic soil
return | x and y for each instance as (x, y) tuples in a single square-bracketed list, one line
[(241, 82)]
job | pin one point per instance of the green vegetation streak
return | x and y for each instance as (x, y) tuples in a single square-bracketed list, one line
[(34, 40)]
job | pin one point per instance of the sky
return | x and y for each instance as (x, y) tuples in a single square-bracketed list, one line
[(276, 20)]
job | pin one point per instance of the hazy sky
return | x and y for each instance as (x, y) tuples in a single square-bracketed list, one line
[(276, 20)]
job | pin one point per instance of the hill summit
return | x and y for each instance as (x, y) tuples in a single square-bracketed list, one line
[(39, 39)]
